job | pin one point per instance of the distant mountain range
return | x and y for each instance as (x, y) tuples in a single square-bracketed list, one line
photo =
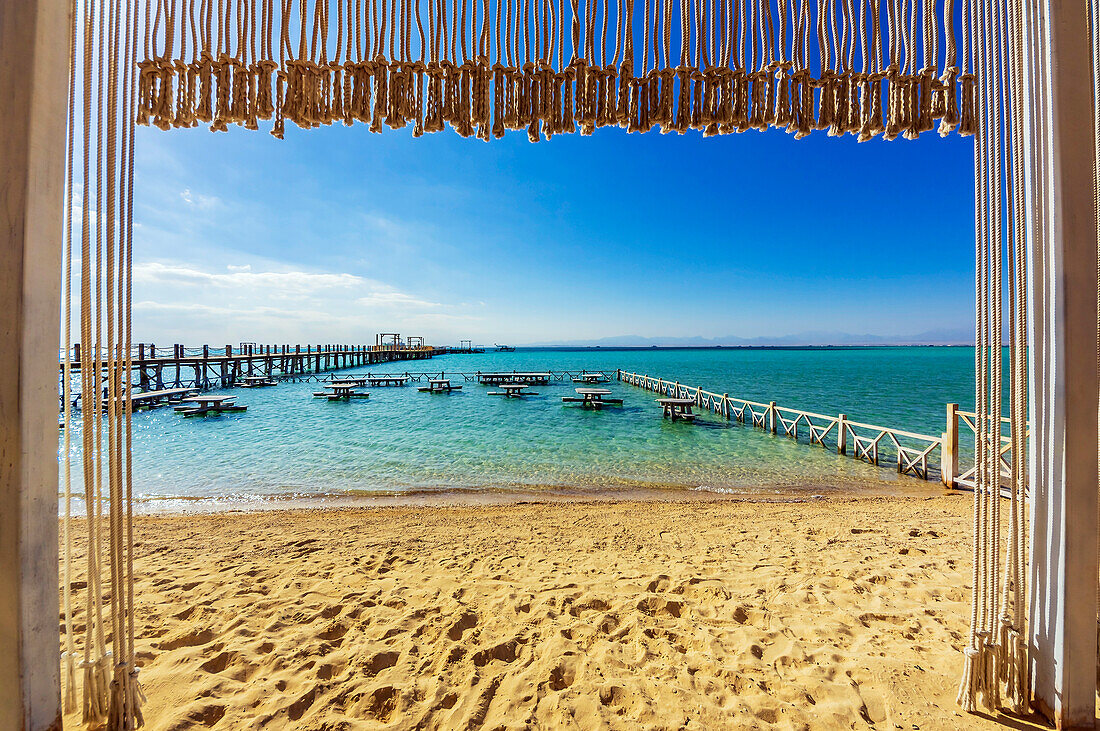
[(947, 336)]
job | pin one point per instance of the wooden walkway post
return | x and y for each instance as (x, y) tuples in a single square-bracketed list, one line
[(949, 450), (33, 84), (1063, 471)]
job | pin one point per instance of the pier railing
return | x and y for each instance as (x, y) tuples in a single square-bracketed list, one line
[(178, 351), (418, 376), (968, 421), (921, 455)]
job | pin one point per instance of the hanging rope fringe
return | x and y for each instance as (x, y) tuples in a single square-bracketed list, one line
[(742, 64), (1005, 116), (1094, 36), (860, 67), (99, 164)]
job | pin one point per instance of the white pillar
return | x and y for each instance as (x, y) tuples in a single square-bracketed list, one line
[(33, 87), (1063, 471)]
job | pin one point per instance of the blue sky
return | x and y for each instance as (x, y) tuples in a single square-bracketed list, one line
[(334, 234)]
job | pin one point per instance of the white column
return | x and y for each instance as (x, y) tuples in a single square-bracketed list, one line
[(1063, 469), (33, 87)]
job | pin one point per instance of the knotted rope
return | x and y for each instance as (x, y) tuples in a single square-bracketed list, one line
[(995, 671), (736, 70), (742, 64), (104, 36)]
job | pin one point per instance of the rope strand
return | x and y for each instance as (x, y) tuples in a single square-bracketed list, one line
[(742, 64)]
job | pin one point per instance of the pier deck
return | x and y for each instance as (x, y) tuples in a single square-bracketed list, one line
[(421, 376), (150, 399)]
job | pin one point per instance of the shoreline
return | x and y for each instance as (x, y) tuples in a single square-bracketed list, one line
[(903, 487)]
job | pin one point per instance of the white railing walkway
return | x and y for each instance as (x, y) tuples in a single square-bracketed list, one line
[(911, 453)]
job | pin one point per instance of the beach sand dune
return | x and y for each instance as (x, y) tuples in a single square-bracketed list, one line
[(823, 614)]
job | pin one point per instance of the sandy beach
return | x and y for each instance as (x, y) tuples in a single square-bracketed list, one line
[(833, 613)]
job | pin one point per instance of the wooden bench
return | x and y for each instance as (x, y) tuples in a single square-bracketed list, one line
[(204, 405), (677, 409), (593, 398), (341, 392), (439, 385), (387, 380), (257, 382), (502, 378), (513, 390)]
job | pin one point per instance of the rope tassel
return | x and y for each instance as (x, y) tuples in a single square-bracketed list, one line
[(741, 75), (114, 93)]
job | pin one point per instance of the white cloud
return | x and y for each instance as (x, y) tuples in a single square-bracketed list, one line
[(196, 200), (242, 279), (393, 298), (189, 303)]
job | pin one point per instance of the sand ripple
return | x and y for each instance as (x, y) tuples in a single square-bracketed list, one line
[(831, 614)]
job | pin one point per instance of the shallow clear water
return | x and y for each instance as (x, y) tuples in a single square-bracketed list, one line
[(401, 441)]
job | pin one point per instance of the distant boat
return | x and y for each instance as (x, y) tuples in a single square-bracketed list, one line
[(504, 348)]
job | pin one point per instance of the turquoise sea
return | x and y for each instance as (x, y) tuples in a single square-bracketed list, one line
[(402, 445)]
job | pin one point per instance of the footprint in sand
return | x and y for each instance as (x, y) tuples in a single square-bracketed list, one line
[(205, 716), (381, 703), (298, 708), (658, 607), (464, 622), (380, 662), (505, 652), (333, 632), (565, 672), (659, 583), (219, 662), (616, 696), (189, 638)]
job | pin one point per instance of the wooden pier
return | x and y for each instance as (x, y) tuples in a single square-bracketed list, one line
[(203, 368), (911, 453), (466, 376)]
